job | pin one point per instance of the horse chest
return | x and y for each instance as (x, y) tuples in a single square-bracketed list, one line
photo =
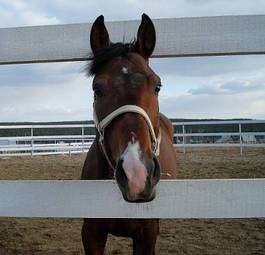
[(128, 227)]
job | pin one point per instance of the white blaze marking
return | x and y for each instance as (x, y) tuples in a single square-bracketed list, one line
[(124, 70), (134, 168)]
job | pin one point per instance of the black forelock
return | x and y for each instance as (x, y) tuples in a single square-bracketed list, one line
[(104, 55)]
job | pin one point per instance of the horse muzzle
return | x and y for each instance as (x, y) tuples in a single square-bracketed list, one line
[(137, 179)]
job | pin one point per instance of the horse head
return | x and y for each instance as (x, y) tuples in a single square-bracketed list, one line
[(126, 111)]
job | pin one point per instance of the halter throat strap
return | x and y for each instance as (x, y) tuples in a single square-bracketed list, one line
[(101, 125)]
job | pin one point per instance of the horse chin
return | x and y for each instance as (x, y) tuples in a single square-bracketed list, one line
[(143, 197)]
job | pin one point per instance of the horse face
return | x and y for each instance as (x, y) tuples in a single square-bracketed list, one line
[(127, 79)]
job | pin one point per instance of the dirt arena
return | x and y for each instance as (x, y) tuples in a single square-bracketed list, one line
[(62, 236)]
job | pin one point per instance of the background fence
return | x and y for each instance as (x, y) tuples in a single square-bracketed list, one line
[(203, 36), (29, 140)]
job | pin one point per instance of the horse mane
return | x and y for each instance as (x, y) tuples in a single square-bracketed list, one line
[(104, 55)]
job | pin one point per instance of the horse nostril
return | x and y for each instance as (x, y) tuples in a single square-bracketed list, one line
[(153, 168), (156, 170), (120, 174)]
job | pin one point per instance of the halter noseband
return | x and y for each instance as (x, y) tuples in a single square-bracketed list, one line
[(101, 125)]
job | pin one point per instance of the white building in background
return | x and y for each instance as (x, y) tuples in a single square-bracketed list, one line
[(248, 138), (225, 139)]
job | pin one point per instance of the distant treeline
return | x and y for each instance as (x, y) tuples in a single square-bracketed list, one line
[(91, 130), (46, 131)]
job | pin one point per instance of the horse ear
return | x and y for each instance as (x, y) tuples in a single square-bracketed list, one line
[(146, 37), (99, 36)]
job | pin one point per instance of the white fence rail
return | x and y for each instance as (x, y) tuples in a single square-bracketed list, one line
[(201, 36), (227, 198), (239, 138), (78, 143), (176, 199), (32, 144)]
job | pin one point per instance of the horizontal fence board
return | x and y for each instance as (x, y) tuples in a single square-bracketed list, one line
[(200, 36), (206, 134), (219, 134), (47, 148), (217, 145), (219, 122), (48, 137), (46, 126), (8, 155), (223, 198)]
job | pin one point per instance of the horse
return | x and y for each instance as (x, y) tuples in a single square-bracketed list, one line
[(134, 142)]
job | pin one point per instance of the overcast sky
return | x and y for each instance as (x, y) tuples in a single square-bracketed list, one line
[(201, 87)]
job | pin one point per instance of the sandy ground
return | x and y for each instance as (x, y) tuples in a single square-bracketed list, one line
[(62, 236)]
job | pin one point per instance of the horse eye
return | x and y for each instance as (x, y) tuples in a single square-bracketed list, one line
[(157, 89), (97, 93)]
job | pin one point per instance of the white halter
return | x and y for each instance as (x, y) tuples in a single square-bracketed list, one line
[(101, 125)]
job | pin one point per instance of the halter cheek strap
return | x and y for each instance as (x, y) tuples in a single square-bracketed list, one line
[(101, 125)]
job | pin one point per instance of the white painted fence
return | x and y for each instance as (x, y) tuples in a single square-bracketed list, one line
[(31, 144), (200, 36), (227, 198), (176, 199), (71, 144), (239, 134)]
